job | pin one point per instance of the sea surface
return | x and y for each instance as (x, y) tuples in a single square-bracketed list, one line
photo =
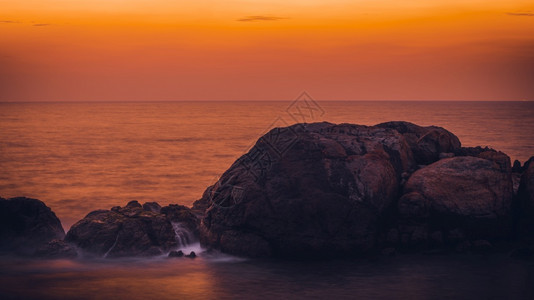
[(403, 277), (79, 157)]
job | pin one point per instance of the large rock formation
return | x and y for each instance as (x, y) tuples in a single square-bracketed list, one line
[(131, 230), (526, 200), (314, 190), (311, 189), (466, 194), (26, 225)]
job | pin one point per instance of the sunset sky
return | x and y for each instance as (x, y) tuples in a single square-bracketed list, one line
[(100, 50)]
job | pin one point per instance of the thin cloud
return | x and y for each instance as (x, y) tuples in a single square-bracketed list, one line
[(42, 24), (9, 21), (521, 14), (260, 18)]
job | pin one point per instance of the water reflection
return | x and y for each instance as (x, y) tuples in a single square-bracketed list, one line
[(405, 277)]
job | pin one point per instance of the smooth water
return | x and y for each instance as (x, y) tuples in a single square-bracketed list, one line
[(78, 157), (405, 277)]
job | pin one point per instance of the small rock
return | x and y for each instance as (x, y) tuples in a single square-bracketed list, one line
[(122, 232), (26, 225), (191, 255), (152, 206), (134, 203), (178, 253), (516, 168), (57, 249)]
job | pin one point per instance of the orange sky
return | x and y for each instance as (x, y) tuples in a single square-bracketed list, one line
[(85, 50)]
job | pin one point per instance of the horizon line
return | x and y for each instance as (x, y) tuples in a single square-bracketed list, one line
[(287, 100)]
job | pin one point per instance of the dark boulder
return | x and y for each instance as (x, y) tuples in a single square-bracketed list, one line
[(178, 253), (516, 167), (428, 144), (123, 231), (27, 224), (469, 195), (525, 197), (152, 206), (182, 215), (311, 189)]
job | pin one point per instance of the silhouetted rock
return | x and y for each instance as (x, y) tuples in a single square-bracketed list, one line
[(428, 144), (191, 255), (516, 167), (57, 249), (27, 224), (182, 215), (152, 206), (468, 193), (134, 204), (126, 231), (525, 197), (178, 253), (311, 189)]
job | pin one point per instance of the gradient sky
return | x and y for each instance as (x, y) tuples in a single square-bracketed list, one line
[(100, 50)]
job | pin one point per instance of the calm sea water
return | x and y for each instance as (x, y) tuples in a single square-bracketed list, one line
[(78, 157), (408, 277)]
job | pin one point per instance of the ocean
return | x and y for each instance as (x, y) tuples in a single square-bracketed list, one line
[(79, 157)]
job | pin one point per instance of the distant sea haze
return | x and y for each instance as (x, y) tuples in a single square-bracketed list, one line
[(78, 157)]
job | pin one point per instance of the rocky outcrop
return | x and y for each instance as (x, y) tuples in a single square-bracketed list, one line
[(133, 230), (426, 143), (311, 189), (469, 195), (27, 224), (179, 214), (57, 249), (525, 198), (315, 191)]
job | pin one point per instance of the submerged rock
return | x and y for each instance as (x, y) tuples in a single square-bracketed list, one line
[(125, 231), (311, 189), (178, 253), (27, 224)]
